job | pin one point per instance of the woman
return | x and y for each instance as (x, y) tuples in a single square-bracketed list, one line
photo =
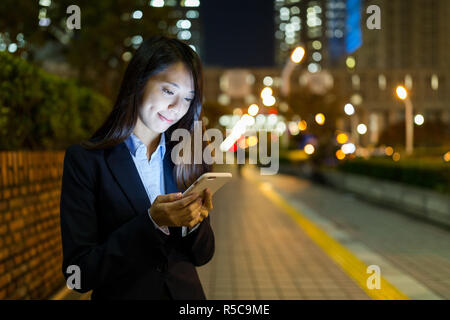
[(124, 223)]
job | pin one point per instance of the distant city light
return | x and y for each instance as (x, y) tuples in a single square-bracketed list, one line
[(362, 128), (447, 156), (349, 109), (317, 56), (126, 56), (268, 81), (389, 151), (320, 118), (342, 138), (317, 45), (348, 148), (252, 140), (184, 35), (419, 120), (272, 119), (183, 24), (313, 67), (382, 81), (298, 54), (190, 3), (401, 92), (309, 149), (350, 62), (269, 101), (45, 3), (137, 14), (281, 127), (408, 82), (224, 99), (157, 3), (340, 155), (293, 128), (248, 120), (260, 119), (45, 22), (12, 47), (396, 156), (356, 99), (253, 110), (266, 92), (302, 125), (192, 14), (434, 82), (224, 120), (237, 111), (136, 40)]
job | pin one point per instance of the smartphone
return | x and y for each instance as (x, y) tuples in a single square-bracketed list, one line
[(211, 180)]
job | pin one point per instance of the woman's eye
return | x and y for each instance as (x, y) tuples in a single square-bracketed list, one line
[(188, 100), (167, 91)]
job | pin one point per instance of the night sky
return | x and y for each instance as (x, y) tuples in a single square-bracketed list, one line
[(238, 33)]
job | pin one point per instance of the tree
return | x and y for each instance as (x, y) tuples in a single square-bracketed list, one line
[(94, 52)]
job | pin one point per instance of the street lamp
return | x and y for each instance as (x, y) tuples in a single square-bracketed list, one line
[(295, 58), (402, 94)]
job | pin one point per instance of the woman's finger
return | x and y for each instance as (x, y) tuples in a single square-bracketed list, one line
[(183, 202), (170, 197), (208, 199), (204, 213), (193, 209)]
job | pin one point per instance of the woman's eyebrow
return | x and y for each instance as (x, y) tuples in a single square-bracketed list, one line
[(174, 84)]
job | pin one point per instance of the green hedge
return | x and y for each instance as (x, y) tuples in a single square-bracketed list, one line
[(430, 174), (42, 111)]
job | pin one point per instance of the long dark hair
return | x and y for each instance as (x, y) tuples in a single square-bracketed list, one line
[(153, 56)]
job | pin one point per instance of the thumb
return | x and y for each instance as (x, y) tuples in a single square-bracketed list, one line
[(169, 197)]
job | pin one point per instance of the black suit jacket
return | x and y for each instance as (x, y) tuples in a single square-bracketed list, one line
[(107, 232)]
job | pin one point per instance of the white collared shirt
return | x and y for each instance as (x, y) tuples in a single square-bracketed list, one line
[(151, 172)]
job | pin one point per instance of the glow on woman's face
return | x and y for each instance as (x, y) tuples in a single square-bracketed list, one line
[(167, 97)]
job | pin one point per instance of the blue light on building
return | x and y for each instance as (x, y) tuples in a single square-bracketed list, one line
[(354, 34)]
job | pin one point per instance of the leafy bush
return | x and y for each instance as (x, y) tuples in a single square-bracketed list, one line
[(42, 111), (431, 174)]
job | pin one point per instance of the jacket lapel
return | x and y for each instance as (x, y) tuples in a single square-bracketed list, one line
[(122, 167), (120, 162)]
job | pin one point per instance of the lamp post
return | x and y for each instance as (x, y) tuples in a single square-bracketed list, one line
[(295, 58), (402, 94)]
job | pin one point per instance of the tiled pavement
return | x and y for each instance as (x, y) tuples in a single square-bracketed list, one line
[(262, 254), (417, 249)]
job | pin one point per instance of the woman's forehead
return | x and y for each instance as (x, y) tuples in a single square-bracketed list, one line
[(178, 76)]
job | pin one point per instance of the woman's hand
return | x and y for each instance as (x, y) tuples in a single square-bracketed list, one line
[(206, 207), (173, 210)]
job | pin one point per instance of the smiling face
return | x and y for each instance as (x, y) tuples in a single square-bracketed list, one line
[(167, 98)]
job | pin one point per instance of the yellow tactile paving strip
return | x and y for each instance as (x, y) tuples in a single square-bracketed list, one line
[(350, 264)]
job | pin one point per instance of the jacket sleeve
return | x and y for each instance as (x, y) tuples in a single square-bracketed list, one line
[(136, 244), (200, 243)]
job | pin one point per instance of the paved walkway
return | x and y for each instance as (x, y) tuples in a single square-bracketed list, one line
[(262, 254), (413, 254)]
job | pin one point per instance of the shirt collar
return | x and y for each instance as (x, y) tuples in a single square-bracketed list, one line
[(133, 143)]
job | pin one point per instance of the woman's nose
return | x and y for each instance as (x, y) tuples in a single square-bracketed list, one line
[(175, 103)]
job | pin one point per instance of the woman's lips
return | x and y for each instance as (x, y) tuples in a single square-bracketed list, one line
[(164, 118)]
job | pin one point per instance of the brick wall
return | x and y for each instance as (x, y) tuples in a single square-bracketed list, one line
[(30, 239)]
